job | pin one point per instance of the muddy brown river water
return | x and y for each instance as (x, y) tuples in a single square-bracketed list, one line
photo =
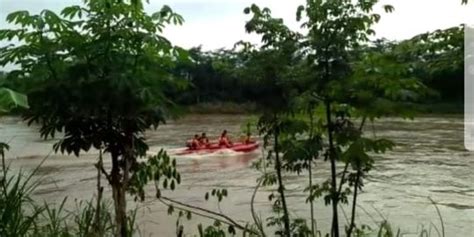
[(429, 161)]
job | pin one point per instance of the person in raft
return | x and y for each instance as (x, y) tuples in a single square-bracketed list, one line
[(195, 142), (203, 140), (224, 140), (248, 139)]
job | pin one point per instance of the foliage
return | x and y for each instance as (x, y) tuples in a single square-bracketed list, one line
[(214, 230), (216, 76), (212, 77), (157, 168), (20, 215), (438, 59), (83, 219), (330, 75), (99, 73), (18, 212), (435, 57), (10, 100), (271, 68)]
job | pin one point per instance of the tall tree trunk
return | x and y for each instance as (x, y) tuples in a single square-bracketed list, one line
[(281, 187), (118, 194), (115, 180), (354, 202), (332, 158), (120, 211)]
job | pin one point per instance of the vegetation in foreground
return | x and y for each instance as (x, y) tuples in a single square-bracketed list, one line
[(102, 74), (21, 215)]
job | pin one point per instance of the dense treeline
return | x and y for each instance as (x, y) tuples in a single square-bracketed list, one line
[(438, 59), (435, 57), (219, 76)]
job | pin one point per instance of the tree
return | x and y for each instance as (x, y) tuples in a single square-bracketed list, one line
[(99, 71), (332, 67), (438, 59), (334, 28), (352, 77), (270, 68)]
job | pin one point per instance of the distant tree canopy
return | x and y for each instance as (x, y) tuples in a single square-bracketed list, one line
[(438, 59), (435, 57), (213, 77), (221, 75)]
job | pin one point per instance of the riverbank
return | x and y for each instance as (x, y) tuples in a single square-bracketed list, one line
[(442, 108), (222, 108)]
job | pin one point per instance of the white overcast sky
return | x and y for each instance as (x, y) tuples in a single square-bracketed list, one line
[(220, 23)]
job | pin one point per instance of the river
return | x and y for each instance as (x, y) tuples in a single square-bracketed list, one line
[(429, 161)]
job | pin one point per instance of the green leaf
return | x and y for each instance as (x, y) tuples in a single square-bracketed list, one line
[(18, 17), (10, 99), (388, 8), (247, 10), (376, 17)]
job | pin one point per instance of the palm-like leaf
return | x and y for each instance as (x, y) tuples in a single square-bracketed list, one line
[(10, 100)]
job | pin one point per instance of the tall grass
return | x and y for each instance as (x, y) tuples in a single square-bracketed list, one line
[(21, 216), (52, 221), (84, 219), (18, 212)]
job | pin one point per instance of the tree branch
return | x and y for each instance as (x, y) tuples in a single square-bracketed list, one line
[(226, 220), (281, 187), (362, 123), (346, 167), (354, 202), (107, 175), (257, 221)]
